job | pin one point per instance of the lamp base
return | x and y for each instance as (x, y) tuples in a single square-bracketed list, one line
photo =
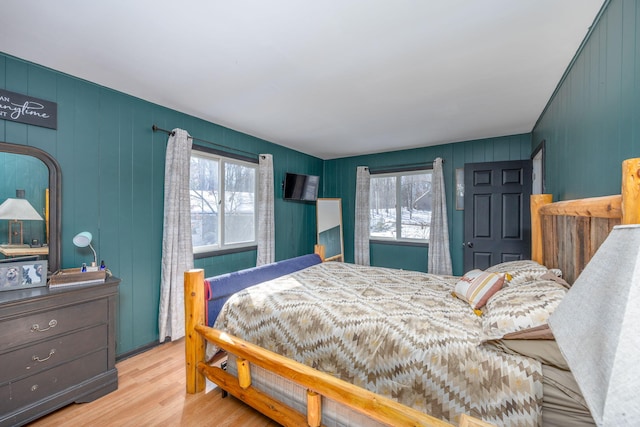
[(15, 232), (93, 268)]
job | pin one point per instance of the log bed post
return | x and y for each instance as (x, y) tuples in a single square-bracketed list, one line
[(194, 342), (538, 201), (244, 373), (314, 409), (631, 191), (319, 250)]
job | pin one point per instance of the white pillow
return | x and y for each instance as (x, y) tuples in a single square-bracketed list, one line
[(520, 272), (518, 308)]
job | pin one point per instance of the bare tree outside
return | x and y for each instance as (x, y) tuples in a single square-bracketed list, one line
[(382, 202), (239, 205), (205, 199), (411, 191), (237, 218)]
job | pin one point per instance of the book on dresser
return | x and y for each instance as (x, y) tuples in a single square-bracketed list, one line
[(75, 276)]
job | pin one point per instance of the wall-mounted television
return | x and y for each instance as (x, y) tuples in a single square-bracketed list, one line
[(300, 187)]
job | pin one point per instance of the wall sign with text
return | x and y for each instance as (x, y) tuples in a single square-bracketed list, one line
[(20, 108)]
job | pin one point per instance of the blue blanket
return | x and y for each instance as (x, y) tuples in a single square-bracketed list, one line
[(218, 289)]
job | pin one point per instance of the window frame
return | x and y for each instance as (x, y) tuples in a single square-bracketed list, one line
[(398, 174), (223, 158)]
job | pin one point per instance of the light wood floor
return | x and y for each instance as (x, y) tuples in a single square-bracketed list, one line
[(151, 392)]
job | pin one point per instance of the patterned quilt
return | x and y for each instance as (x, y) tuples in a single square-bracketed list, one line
[(397, 333)]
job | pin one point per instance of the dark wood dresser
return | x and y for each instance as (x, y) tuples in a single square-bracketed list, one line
[(57, 346)]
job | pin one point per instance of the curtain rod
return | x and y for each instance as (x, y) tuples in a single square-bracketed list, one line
[(172, 133), (401, 167)]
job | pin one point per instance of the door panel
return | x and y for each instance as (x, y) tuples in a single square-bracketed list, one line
[(497, 225), (511, 216), (482, 223)]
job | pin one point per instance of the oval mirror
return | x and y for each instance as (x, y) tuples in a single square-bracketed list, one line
[(33, 175)]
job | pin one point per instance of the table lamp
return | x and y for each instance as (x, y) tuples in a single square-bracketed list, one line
[(82, 240), (596, 328), (16, 211)]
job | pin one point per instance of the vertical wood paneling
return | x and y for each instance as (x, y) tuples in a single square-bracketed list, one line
[(143, 178), (592, 123), (627, 74), (41, 85), (113, 185), (340, 179), (127, 338)]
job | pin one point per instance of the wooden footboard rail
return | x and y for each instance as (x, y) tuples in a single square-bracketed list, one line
[(317, 383), (567, 234)]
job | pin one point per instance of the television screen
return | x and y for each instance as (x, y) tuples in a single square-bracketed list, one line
[(300, 187)]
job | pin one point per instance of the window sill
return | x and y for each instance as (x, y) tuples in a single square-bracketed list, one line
[(219, 252), (399, 243)]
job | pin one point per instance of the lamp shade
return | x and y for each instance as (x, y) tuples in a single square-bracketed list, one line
[(596, 328), (83, 239), (18, 209)]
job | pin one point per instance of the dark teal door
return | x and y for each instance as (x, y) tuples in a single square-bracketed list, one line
[(497, 219)]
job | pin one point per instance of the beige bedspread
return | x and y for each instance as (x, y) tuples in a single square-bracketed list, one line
[(397, 333)]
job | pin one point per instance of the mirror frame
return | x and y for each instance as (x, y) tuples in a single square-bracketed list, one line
[(55, 197), (329, 217)]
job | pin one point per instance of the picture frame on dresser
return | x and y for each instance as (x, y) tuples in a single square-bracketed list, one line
[(27, 272)]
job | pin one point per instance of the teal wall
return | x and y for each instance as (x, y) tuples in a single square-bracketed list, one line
[(592, 123), (340, 181), (112, 184), (113, 164)]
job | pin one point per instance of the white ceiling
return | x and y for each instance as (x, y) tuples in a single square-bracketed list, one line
[(331, 78)]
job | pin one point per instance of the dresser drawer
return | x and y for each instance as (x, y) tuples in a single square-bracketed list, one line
[(47, 354), (38, 326), (47, 383)]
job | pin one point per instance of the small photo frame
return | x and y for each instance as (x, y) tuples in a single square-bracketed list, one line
[(460, 189), (22, 275)]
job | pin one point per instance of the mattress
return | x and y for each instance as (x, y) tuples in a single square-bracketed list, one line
[(295, 396), (563, 404)]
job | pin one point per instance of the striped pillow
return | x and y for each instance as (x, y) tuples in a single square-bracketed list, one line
[(477, 286)]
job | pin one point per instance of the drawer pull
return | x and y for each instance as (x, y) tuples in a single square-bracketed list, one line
[(37, 359), (36, 328), (34, 387)]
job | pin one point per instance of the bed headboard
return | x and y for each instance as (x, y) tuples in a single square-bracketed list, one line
[(566, 234)]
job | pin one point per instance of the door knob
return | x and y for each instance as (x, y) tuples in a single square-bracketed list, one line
[(469, 244)]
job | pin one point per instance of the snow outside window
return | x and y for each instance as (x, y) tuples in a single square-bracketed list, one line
[(223, 202), (400, 206)]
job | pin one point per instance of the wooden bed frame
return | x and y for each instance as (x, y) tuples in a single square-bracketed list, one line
[(574, 229), (565, 235)]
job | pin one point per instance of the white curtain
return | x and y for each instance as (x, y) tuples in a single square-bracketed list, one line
[(439, 256), (266, 221), (361, 233), (177, 250)]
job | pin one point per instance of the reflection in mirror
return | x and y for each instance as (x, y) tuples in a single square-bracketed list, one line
[(29, 191), (329, 215), (23, 192)]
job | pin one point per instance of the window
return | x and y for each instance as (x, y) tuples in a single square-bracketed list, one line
[(223, 202), (411, 190)]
